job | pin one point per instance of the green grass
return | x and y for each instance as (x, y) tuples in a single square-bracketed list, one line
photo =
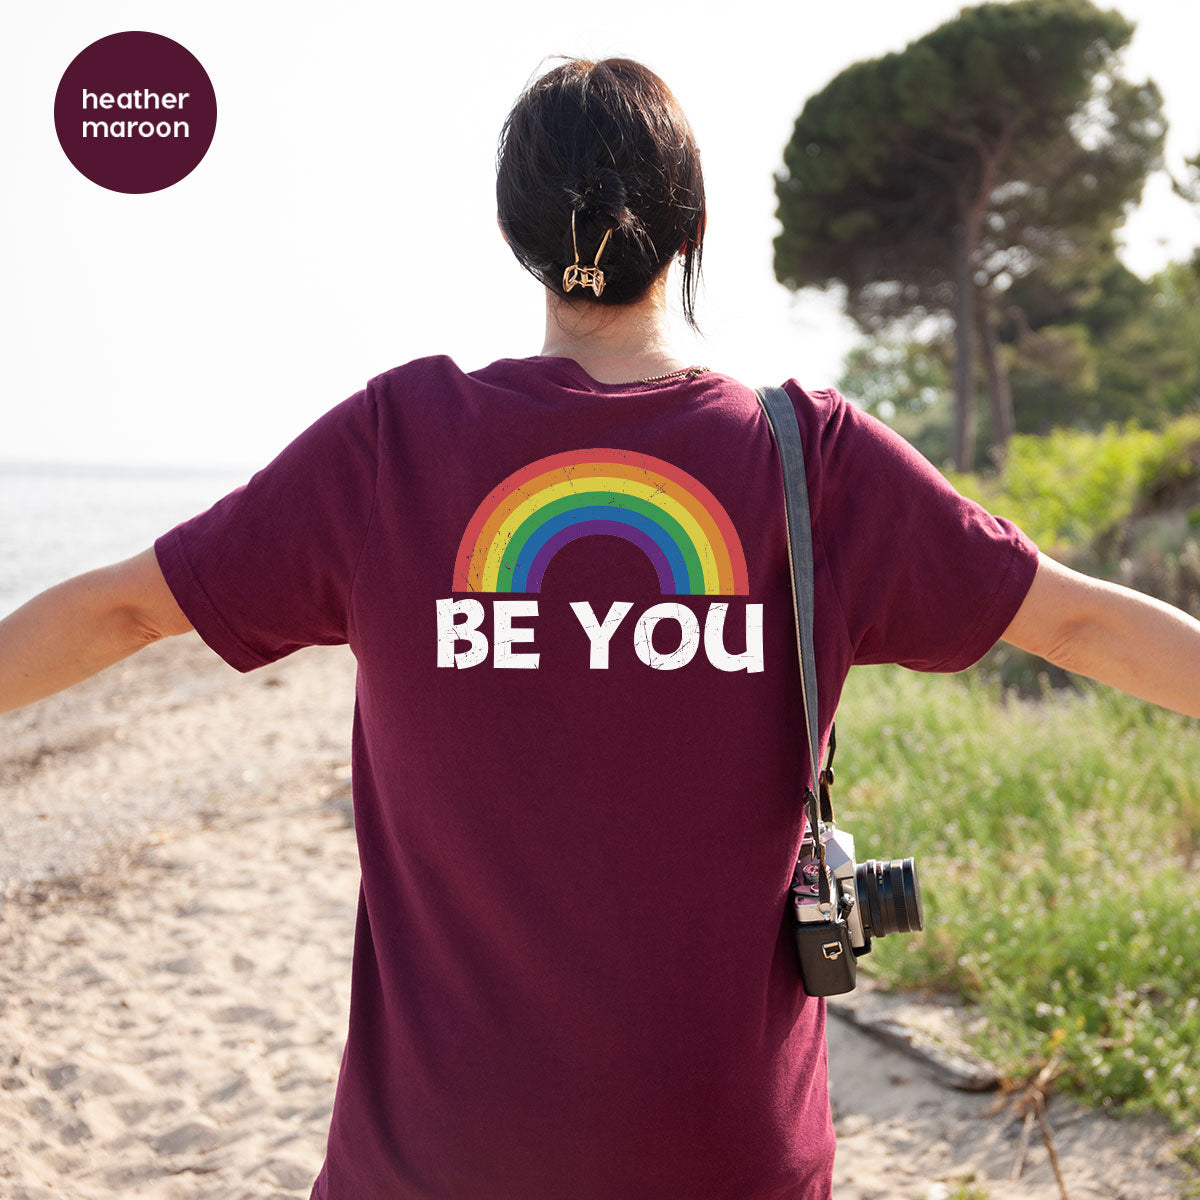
[(1057, 843)]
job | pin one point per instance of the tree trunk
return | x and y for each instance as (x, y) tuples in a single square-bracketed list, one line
[(971, 208), (999, 391), (964, 349)]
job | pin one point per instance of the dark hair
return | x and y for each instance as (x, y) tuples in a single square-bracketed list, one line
[(608, 142)]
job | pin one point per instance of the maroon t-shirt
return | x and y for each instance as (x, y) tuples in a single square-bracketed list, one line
[(578, 757)]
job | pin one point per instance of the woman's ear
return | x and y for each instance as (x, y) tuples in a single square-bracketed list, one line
[(501, 228)]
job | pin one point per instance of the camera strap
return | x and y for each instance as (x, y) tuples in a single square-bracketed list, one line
[(781, 417)]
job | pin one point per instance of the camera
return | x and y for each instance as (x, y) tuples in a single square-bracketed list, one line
[(866, 900)]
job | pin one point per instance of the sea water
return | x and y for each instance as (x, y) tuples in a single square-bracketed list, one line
[(59, 520)]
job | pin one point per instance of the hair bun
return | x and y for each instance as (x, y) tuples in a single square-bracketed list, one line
[(597, 170), (600, 190)]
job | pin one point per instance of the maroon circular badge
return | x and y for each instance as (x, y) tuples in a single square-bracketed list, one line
[(135, 112)]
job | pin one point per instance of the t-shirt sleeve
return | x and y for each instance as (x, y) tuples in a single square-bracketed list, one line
[(926, 577), (270, 568)]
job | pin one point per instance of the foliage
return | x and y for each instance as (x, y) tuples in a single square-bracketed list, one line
[(1090, 342), (880, 159), (889, 377), (1057, 843), (1069, 488), (1000, 141), (1063, 488), (1189, 186), (1087, 344), (904, 383)]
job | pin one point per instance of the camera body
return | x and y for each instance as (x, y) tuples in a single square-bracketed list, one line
[(866, 900)]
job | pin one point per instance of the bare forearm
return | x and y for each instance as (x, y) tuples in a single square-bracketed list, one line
[(1142, 646), (1112, 634), (64, 635)]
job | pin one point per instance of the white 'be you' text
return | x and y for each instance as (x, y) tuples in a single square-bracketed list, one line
[(460, 621)]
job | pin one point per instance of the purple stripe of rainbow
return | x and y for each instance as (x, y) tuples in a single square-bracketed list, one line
[(652, 550)]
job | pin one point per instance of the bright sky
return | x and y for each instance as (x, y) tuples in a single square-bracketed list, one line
[(343, 220)]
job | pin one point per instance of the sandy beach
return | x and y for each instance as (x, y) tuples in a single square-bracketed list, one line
[(179, 880)]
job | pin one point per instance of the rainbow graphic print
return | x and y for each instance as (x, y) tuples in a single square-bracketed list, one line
[(674, 519)]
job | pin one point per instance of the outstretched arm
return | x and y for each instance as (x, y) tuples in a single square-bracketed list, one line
[(79, 627), (1112, 634)]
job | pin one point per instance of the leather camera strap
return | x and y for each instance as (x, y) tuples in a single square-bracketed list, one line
[(781, 416)]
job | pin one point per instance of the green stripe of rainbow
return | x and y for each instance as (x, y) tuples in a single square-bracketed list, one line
[(644, 498)]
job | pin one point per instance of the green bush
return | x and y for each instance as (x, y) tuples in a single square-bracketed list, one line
[(1068, 487)]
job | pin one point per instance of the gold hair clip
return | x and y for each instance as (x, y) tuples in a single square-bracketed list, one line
[(591, 276)]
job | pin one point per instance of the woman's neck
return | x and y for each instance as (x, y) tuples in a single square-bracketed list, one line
[(615, 344)]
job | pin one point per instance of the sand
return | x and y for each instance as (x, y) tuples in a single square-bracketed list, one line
[(180, 879)]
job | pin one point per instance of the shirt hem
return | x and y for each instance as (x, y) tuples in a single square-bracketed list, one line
[(191, 597), (1009, 596)]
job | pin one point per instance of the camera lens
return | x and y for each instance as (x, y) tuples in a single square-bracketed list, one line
[(889, 897)]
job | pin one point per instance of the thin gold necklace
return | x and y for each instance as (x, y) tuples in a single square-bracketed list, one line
[(683, 372)]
